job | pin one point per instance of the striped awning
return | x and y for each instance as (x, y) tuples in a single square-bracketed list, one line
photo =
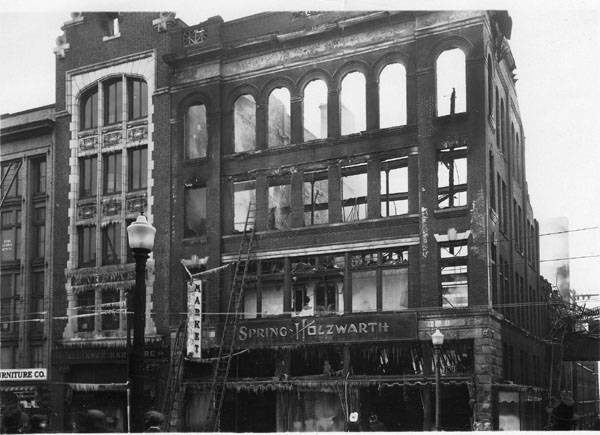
[(85, 387), (17, 388)]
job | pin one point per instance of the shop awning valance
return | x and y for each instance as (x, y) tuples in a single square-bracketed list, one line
[(85, 387), (17, 388)]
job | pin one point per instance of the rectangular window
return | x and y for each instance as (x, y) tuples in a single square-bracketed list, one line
[(10, 174), (37, 356), (38, 176), (112, 173), (137, 103), (36, 307), (272, 299), (280, 203), (394, 187), (520, 232), (492, 183), (7, 357), (250, 301), (452, 178), (39, 233), (454, 275), (195, 212), (86, 303), (113, 102), (504, 208), (316, 198), (364, 290), (89, 110), (111, 244), (394, 289), (326, 293), (87, 176), (354, 192), (494, 278), (137, 169), (244, 194), (110, 305), (300, 299), (10, 224), (87, 245), (8, 292)]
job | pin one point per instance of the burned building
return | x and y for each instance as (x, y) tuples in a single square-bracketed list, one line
[(376, 162)]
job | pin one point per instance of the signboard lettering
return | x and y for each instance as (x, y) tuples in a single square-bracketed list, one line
[(194, 341), (23, 374)]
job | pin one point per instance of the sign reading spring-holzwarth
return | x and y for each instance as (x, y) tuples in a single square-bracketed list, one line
[(23, 375), (346, 328), (194, 329)]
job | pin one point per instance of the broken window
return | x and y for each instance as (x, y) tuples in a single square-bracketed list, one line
[(244, 123), (195, 212), (394, 289), (250, 301), (454, 276), (392, 96), (394, 187), (196, 135), (280, 203), (300, 299), (353, 103), (244, 194), (452, 178), (272, 299), (279, 118), (354, 192), (364, 290), (315, 110), (451, 82), (316, 196)]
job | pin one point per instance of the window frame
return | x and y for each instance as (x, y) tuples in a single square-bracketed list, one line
[(310, 209), (285, 210), (88, 109), (142, 105), (448, 158), (111, 236), (403, 97), (114, 160), (350, 171), (188, 232), (13, 226), (386, 197), (203, 143), (112, 90), (455, 261), (86, 257), (88, 176), (237, 129), (141, 183)]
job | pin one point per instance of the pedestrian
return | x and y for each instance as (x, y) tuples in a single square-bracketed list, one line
[(153, 421), (563, 412)]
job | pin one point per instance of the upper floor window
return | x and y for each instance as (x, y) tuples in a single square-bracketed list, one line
[(244, 194), (112, 173), (490, 86), (315, 110), (10, 177), (10, 224), (111, 25), (86, 303), (111, 244), (137, 98), (138, 168), (87, 176), (39, 233), (89, 109), (280, 203), (316, 198), (392, 96), (394, 187), (195, 212), (113, 102), (451, 82), (86, 236), (244, 123), (279, 120), (9, 284), (353, 112), (454, 275), (38, 176), (110, 299), (452, 178), (354, 192), (196, 135)]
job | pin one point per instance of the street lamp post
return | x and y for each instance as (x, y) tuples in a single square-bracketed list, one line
[(437, 339), (141, 241)]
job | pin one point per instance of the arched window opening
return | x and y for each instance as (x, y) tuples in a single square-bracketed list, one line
[(490, 86), (353, 103), (89, 109), (244, 123), (392, 96), (315, 110), (451, 82), (113, 102), (196, 136), (137, 99), (279, 118)]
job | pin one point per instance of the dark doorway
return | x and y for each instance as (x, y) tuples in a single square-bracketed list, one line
[(397, 408), (249, 412)]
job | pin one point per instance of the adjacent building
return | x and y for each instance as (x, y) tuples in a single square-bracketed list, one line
[(26, 140)]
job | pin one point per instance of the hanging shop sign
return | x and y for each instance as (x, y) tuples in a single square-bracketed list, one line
[(155, 352), (347, 328), (23, 375), (194, 329)]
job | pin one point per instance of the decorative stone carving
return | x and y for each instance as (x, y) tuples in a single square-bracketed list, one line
[(61, 46), (137, 204), (111, 207), (194, 36), (86, 211), (111, 138), (161, 23), (137, 134), (88, 143)]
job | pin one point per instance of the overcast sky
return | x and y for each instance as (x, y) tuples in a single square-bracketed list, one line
[(555, 45)]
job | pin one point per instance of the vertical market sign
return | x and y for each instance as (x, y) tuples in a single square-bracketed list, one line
[(194, 329)]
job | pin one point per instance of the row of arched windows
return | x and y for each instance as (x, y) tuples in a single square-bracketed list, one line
[(451, 99)]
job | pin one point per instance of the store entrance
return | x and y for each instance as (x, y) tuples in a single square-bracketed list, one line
[(396, 409), (249, 412)]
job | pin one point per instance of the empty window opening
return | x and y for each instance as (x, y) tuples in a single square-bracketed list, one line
[(315, 110), (272, 299), (195, 212), (280, 203), (244, 123), (452, 178), (316, 196), (451, 82), (196, 135), (353, 103), (394, 187), (244, 193), (454, 275), (392, 96), (279, 118), (354, 192)]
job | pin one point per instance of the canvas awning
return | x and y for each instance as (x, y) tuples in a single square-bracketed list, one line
[(85, 387)]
